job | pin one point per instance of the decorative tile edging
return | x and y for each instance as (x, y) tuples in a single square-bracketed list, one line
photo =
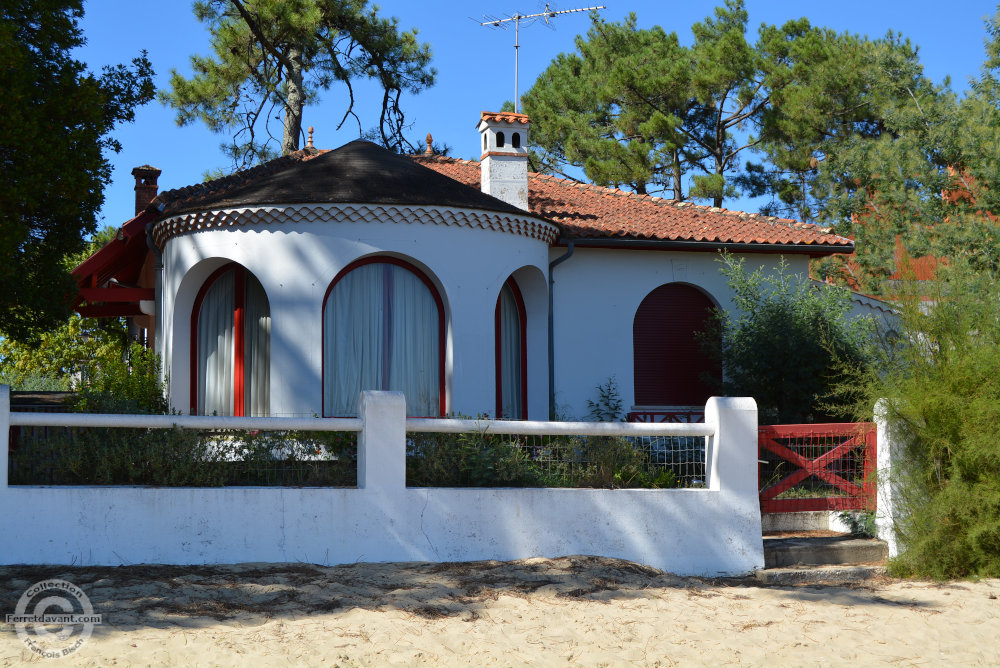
[(353, 213)]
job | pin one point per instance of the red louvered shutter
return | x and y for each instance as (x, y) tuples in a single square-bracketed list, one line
[(667, 357)]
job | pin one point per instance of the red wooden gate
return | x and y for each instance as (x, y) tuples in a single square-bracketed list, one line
[(817, 467)]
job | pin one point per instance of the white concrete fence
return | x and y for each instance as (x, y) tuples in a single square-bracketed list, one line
[(713, 531)]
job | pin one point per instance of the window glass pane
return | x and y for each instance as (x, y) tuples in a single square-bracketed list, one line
[(353, 338), (216, 347), (382, 332), (414, 356), (510, 356), (257, 350)]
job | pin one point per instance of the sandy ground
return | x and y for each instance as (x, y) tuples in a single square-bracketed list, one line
[(570, 611)]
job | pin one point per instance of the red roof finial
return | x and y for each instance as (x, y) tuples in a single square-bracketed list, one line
[(309, 143), (429, 150)]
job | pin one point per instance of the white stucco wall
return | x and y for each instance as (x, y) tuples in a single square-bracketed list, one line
[(597, 292), (708, 532), (295, 263)]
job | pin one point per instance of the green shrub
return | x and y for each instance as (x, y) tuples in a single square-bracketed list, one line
[(788, 343), (183, 458), (493, 460), (124, 383), (942, 393)]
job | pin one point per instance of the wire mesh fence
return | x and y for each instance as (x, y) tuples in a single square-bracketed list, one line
[(181, 457), (816, 467), (479, 459)]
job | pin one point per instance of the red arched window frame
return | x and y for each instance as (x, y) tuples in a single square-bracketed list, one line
[(523, 363), (668, 361), (383, 259), (239, 344)]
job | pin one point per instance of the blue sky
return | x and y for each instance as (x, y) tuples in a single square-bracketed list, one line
[(475, 65)]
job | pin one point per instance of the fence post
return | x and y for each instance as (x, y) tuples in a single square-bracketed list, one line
[(732, 452), (382, 441), (887, 478), (4, 434)]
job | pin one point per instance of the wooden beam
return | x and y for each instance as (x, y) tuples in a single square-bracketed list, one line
[(109, 310), (117, 294)]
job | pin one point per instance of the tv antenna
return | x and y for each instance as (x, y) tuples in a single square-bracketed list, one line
[(516, 19)]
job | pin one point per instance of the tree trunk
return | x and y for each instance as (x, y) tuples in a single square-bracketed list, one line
[(720, 152), (677, 175), (294, 102), (720, 169)]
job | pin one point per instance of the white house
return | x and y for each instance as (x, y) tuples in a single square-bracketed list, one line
[(473, 287)]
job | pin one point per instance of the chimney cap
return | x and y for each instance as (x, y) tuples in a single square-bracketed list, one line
[(144, 171), (504, 117)]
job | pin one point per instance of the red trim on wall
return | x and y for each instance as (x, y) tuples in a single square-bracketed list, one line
[(498, 357), (385, 259), (523, 317), (239, 335), (239, 340), (195, 310)]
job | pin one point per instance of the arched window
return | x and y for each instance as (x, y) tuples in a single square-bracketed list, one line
[(500, 140), (668, 359), (383, 329), (515, 140), (231, 345), (511, 354)]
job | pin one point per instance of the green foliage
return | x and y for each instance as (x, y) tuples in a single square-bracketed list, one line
[(634, 108), (272, 57), (609, 406), (58, 358), (788, 343), (468, 460), (183, 458), (55, 125), (124, 383), (860, 523), (942, 399), (493, 460)]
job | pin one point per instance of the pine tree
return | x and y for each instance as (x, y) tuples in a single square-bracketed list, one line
[(275, 56)]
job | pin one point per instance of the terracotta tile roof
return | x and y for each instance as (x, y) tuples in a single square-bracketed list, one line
[(504, 117), (586, 212), (594, 212)]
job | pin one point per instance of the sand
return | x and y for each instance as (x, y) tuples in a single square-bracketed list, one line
[(584, 611)]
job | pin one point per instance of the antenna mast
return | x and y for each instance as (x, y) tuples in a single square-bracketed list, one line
[(516, 20)]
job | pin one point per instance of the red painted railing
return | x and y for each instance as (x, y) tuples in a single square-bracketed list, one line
[(683, 414), (817, 467)]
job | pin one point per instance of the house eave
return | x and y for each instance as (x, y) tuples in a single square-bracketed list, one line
[(813, 250)]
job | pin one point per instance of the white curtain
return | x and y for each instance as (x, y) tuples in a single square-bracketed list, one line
[(510, 356), (257, 350), (216, 347), (414, 355), (381, 333), (353, 339)]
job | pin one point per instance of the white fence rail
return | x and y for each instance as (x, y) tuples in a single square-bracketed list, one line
[(22, 419), (710, 531), (528, 428)]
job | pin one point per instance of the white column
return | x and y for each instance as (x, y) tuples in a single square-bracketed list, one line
[(382, 441), (732, 452), (888, 446), (732, 474), (4, 433)]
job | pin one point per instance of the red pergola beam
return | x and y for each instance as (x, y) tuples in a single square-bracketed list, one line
[(116, 294)]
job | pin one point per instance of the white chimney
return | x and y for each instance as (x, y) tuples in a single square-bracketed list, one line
[(504, 163)]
